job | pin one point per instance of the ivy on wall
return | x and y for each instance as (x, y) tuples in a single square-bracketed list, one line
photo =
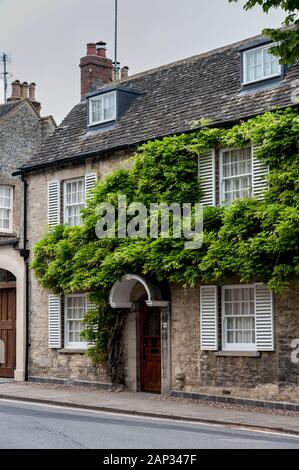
[(255, 240)]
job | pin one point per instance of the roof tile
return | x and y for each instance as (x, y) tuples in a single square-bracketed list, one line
[(204, 86)]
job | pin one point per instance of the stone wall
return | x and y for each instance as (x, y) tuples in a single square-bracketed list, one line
[(185, 334), (21, 133), (45, 362), (287, 329), (270, 376)]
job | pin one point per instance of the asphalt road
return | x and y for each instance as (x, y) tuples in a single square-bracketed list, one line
[(29, 426)]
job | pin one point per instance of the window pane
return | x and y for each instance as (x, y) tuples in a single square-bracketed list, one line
[(230, 337), (260, 64), (5, 207), (236, 174), (75, 311), (97, 109), (271, 63), (4, 219), (103, 108), (109, 107), (74, 201), (254, 65), (239, 314)]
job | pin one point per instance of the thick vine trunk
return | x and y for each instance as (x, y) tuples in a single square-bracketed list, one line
[(115, 353)]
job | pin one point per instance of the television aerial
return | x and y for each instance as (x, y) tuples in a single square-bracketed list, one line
[(5, 59)]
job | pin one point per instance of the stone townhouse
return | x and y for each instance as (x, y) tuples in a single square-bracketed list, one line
[(171, 338), (22, 130)]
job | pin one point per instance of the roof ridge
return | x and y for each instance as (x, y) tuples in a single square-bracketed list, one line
[(12, 105), (194, 57), (207, 85)]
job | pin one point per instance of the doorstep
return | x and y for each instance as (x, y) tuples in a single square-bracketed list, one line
[(4, 380)]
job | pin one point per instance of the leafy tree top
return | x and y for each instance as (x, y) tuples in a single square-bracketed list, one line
[(287, 37)]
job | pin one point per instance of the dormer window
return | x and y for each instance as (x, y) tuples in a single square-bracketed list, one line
[(102, 108), (107, 105), (259, 64)]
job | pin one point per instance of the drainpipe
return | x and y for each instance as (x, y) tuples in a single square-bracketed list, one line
[(24, 252)]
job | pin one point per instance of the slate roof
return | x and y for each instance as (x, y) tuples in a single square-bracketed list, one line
[(7, 107), (204, 86)]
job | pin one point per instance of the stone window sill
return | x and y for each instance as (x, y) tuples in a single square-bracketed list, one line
[(72, 351), (237, 354), (9, 235)]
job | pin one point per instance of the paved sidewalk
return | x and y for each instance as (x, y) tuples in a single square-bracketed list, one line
[(146, 405)]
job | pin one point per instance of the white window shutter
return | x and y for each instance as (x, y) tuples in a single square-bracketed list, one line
[(90, 182), (206, 172), (264, 318), (54, 321), (209, 318), (53, 203), (89, 307), (259, 175), (89, 304)]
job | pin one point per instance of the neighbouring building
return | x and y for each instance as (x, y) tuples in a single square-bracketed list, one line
[(171, 335), (22, 130)]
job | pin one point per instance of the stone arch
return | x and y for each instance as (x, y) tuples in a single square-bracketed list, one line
[(120, 294), (11, 261)]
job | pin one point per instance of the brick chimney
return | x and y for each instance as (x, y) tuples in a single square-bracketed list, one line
[(96, 68)]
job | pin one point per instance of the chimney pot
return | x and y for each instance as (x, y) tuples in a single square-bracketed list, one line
[(24, 90), (32, 88), (91, 48), (116, 73), (101, 47), (15, 90), (124, 72)]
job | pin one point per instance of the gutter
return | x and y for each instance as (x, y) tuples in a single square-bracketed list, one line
[(98, 154), (24, 252), (73, 160)]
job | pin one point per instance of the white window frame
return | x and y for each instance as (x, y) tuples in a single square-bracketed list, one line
[(10, 209), (221, 192), (264, 77), (237, 346), (72, 344), (101, 97), (65, 205)]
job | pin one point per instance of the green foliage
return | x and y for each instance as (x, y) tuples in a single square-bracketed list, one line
[(288, 38), (98, 324), (255, 240)]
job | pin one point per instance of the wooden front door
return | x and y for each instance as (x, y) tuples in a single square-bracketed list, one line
[(7, 331), (150, 343)]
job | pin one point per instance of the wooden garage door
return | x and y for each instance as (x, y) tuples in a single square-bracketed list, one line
[(7, 331)]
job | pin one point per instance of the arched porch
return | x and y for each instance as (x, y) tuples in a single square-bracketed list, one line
[(146, 336), (11, 262)]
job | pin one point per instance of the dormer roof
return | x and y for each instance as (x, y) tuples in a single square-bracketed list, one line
[(174, 96)]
